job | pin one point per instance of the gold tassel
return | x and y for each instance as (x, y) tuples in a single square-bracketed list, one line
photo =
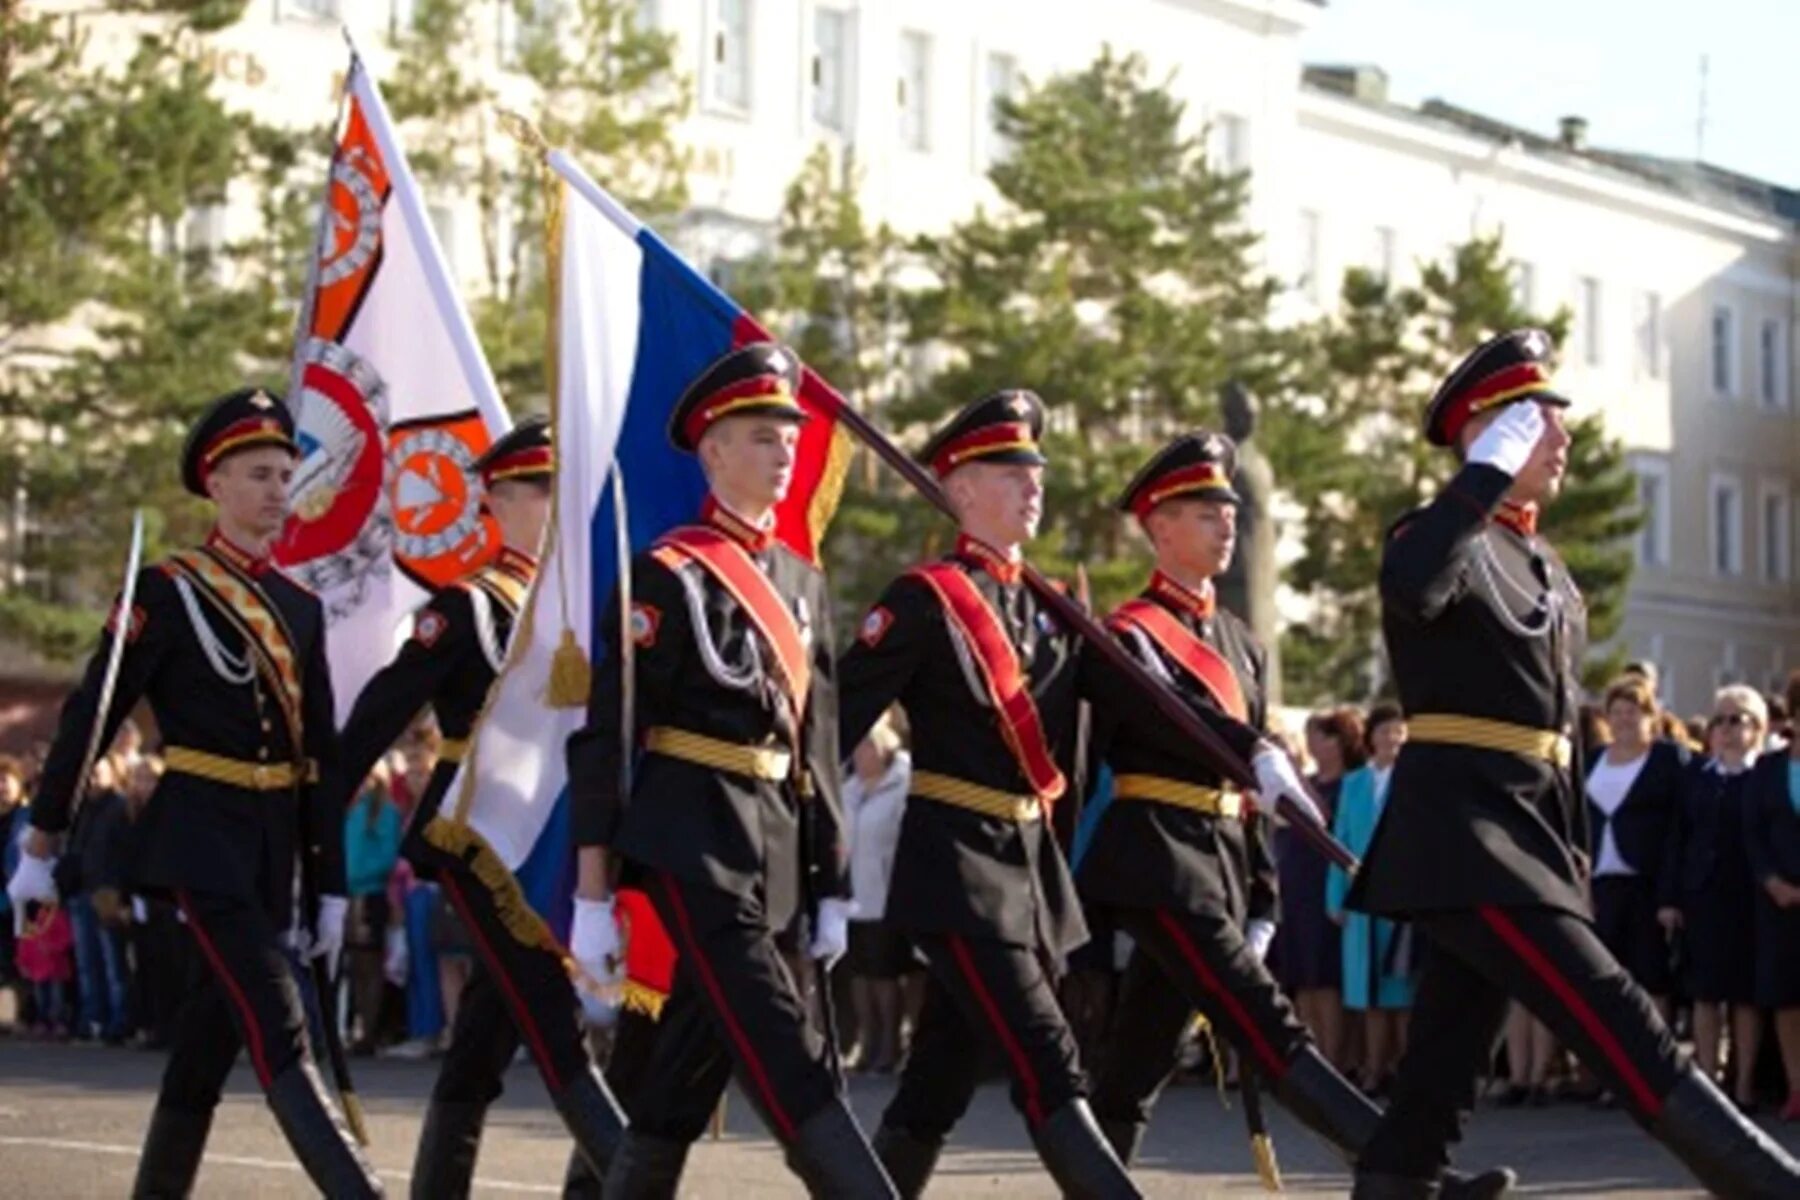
[(571, 676), (1262, 1149), (1204, 1028)]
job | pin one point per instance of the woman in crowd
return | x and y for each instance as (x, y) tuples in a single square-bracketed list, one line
[(371, 848), (1378, 986), (1707, 890), (1307, 946), (1633, 788), (1772, 843), (874, 802)]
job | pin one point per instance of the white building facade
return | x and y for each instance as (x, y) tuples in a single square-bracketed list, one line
[(1685, 284)]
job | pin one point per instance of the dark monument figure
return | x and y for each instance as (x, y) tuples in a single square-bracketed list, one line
[(1248, 587)]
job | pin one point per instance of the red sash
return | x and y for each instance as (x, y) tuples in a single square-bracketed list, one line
[(1205, 665), (726, 561), (1007, 686)]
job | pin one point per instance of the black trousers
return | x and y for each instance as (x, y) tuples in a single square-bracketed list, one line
[(1554, 964), (517, 993), (1186, 962), (242, 995), (733, 1006), (984, 993)]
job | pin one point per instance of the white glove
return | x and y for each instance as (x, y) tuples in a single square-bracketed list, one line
[(594, 945), (1275, 778), (1511, 438), (1257, 935), (831, 932), (33, 879), (395, 961), (328, 932)]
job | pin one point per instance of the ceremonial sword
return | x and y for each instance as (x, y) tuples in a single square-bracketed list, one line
[(115, 657)]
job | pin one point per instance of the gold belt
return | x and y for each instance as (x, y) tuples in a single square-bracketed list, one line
[(758, 762), (989, 802), (1453, 729), (452, 750), (1214, 802), (252, 776)]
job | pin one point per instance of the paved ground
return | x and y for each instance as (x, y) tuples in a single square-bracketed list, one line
[(71, 1118)]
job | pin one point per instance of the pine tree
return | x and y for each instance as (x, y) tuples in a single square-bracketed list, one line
[(1116, 280), (1352, 456), (600, 86), (112, 334)]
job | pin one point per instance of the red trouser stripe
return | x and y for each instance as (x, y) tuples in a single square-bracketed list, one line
[(1646, 1099), (1028, 1081), (1274, 1064), (753, 1065), (253, 1035), (521, 1011)]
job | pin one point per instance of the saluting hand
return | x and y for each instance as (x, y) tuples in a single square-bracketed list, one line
[(1507, 443)]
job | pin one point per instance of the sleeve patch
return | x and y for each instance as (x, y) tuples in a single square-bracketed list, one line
[(134, 627), (645, 620), (429, 627), (875, 627)]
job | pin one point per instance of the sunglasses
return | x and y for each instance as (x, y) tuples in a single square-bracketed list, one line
[(1734, 719)]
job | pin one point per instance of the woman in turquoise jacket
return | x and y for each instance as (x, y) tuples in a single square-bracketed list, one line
[(1375, 984)]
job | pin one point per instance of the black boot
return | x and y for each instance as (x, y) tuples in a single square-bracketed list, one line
[(593, 1117), (1124, 1137), (172, 1149), (448, 1142), (1724, 1151), (581, 1181), (1335, 1109), (1076, 1154), (645, 1168), (908, 1159), (1393, 1187), (830, 1154), (313, 1128)]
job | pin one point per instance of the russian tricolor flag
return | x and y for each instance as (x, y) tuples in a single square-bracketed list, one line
[(637, 325)]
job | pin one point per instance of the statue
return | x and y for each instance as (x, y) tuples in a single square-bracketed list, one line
[(1248, 585)]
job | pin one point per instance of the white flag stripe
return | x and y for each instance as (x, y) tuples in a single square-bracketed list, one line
[(518, 758)]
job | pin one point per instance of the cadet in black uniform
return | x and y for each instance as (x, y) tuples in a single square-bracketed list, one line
[(733, 813), (1481, 842), (988, 680), (1180, 858), (230, 653), (519, 988)]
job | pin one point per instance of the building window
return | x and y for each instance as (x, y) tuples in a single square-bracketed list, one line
[(729, 62), (1524, 286), (1228, 144), (1382, 253), (1771, 379), (1727, 527), (831, 79), (1648, 320), (1002, 84), (1653, 503), (1724, 351), (1777, 561), (1593, 332), (913, 90), (1306, 277)]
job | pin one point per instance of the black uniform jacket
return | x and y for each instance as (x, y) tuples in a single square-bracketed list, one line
[(701, 666), (958, 871), (449, 663), (1150, 855), (1480, 620), (195, 833)]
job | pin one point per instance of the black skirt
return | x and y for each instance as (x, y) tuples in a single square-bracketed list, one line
[(1625, 919), (1719, 940), (1777, 954)]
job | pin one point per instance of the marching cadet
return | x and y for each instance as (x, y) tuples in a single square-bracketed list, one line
[(520, 989), (988, 680), (1180, 859), (230, 653), (1481, 844), (733, 812)]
